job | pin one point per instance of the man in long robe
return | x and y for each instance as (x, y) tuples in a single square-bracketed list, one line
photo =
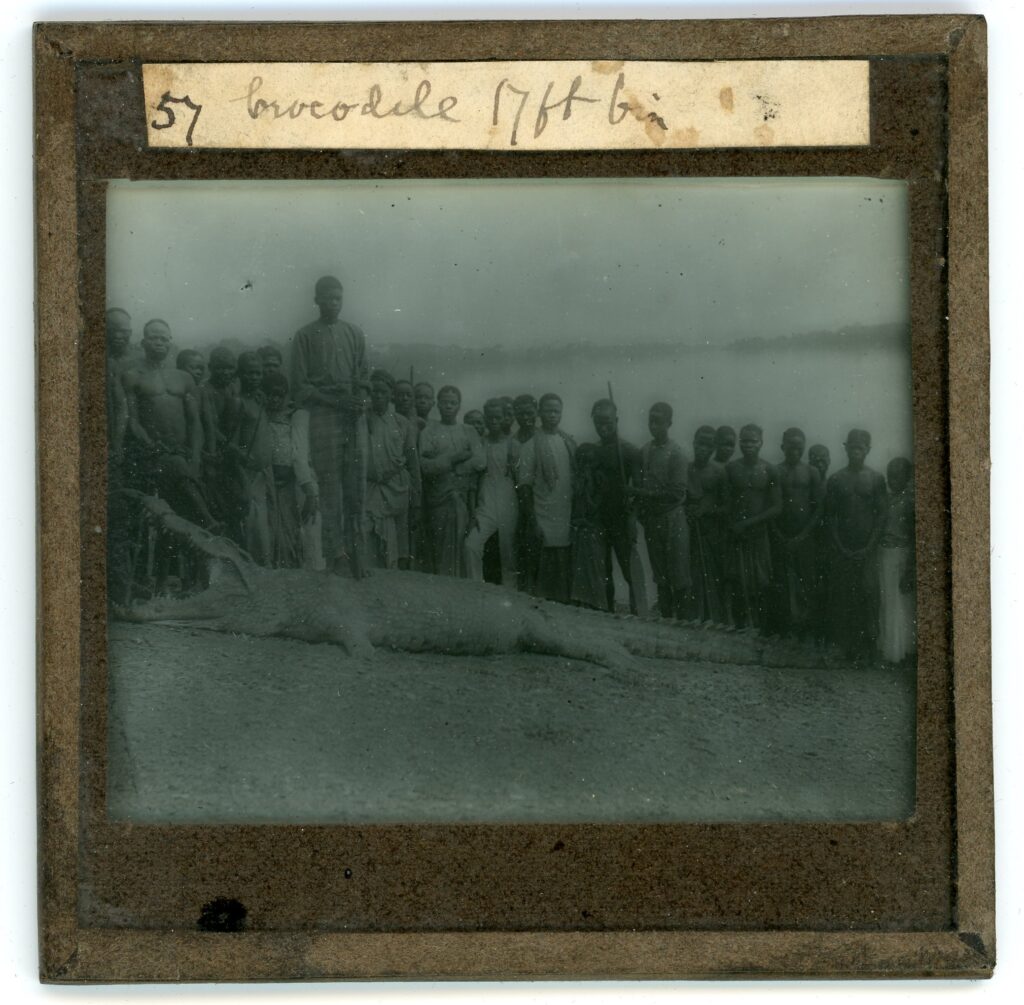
[(329, 380)]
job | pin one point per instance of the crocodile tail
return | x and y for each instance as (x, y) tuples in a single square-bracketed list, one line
[(705, 642)]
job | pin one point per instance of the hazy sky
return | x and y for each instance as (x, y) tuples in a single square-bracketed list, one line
[(512, 262)]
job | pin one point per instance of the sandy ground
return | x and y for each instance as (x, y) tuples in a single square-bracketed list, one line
[(212, 727), (219, 728)]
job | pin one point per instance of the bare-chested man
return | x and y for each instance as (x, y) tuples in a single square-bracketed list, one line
[(793, 535), (164, 428), (855, 510), (754, 501), (707, 513)]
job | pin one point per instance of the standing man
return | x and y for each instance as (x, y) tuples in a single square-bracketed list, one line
[(546, 495), (164, 430), (497, 507), (855, 510), (803, 494), (660, 497), (619, 464), (329, 380), (754, 501)]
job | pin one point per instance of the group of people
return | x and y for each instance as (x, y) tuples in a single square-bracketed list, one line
[(322, 462)]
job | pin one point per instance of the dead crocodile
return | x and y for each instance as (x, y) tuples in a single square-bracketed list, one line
[(416, 612)]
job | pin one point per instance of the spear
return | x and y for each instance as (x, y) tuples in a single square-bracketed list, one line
[(637, 575)]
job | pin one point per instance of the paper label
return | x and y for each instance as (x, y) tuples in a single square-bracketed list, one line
[(520, 105)]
